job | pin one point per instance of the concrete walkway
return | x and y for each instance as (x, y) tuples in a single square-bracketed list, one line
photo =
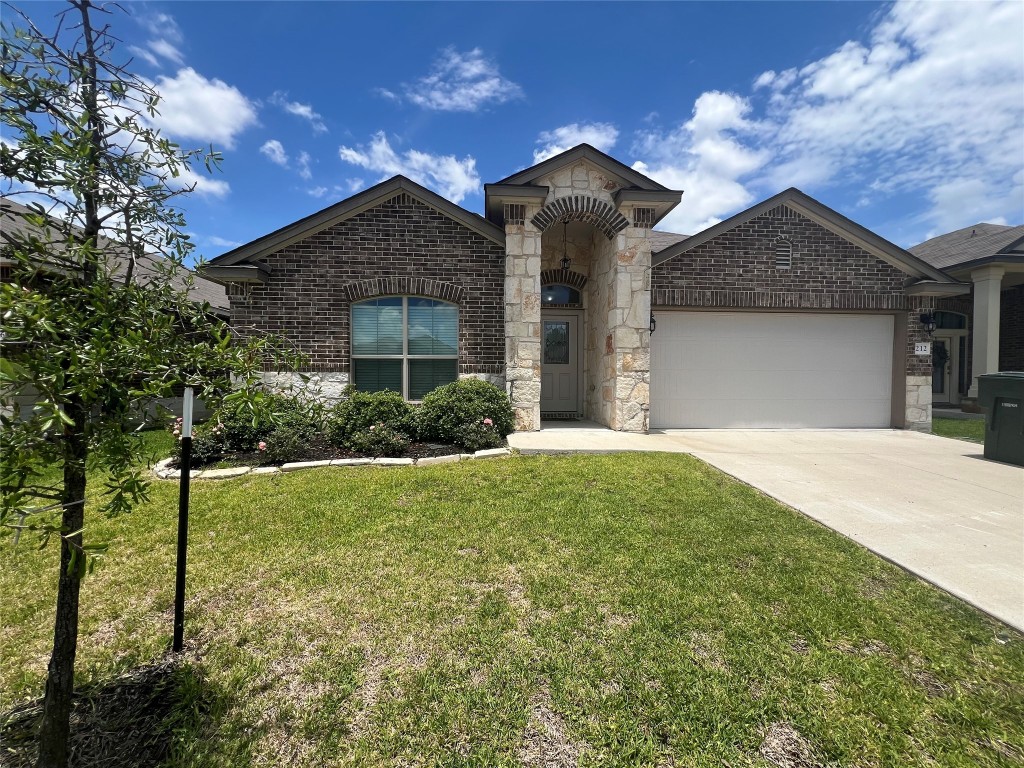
[(930, 504)]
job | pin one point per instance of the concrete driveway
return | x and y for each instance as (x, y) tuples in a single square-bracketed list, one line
[(931, 504)]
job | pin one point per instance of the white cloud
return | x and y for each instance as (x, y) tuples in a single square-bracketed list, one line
[(601, 136), (459, 82), (928, 107), (193, 107), (273, 150), (167, 50), (145, 54), (304, 169), (305, 111), (354, 185), (445, 174), (221, 242), (706, 158), (317, 192), (202, 184)]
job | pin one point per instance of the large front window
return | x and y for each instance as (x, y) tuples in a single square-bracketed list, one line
[(404, 343)]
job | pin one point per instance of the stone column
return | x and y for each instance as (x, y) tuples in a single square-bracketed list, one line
[(522, 321), (988, 281), (630, 325)]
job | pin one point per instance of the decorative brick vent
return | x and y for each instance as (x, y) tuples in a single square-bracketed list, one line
[(643, 218), (783, 253), (515, 213), (583, 208)]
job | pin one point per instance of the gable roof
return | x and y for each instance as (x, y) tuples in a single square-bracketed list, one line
[(595, 156), (980, 242), (348, 208), (821, 214), (13, 223)]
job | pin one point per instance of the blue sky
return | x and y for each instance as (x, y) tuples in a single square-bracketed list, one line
[(907, 117)]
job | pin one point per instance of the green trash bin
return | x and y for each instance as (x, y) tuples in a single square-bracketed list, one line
[(1002, 397)]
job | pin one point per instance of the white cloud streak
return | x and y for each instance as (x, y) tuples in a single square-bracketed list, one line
[(459, 82), (305, 111), (445, 174), (601, 136), (273, 150)]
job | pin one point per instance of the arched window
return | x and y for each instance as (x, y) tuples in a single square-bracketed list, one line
[(783, 254), (407, 344), (560, 295)]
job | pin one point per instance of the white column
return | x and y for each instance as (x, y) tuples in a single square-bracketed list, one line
[(988, 281)]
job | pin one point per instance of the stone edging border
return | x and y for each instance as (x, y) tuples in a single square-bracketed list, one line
[(163, 471)]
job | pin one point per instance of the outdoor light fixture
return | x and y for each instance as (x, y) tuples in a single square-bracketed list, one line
[(928, 321), (186, 473), (566, 261), (654, 323)]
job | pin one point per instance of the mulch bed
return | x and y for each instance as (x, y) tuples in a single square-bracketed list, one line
[(127, 721)]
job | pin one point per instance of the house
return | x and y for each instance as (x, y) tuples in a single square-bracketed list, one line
[(982, 332), (14, 225), (785, 315)]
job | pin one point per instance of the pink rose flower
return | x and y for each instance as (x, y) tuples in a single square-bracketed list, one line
[(262, 446), (488, 422), (373, 427)]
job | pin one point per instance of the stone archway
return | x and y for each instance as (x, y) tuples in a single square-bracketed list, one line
[(585, 208)]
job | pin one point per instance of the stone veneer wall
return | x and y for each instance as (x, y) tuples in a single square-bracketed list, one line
[(828, 274), (399, 246), (616, 336), (522, 320)]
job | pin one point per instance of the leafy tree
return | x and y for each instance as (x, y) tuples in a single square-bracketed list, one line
[(82, 326)]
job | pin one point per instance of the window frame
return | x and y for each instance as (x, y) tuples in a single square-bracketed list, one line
[(405, 357)]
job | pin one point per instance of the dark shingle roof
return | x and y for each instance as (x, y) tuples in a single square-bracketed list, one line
[(662, 240), (979, 241), (203, 290)]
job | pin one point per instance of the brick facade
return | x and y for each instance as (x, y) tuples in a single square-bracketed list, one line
[(399, 246)]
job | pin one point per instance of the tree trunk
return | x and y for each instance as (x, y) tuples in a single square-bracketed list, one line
[(60, 681)]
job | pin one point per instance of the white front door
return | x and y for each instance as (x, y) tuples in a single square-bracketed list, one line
[(560, 363)]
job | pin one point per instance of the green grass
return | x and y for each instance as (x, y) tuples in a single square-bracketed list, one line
[(960, 429), (627, 610)]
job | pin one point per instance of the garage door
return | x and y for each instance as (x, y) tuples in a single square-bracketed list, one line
[(771, 370)]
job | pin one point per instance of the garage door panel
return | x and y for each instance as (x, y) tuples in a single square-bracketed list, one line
[(785, 370)]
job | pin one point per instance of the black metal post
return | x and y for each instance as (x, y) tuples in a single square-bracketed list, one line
[(179, 580)]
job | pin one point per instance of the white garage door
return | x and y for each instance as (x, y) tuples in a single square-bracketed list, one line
[(771, 370)]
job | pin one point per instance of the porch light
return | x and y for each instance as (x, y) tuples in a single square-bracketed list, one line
[(654, 323), (928, 321), (566, 261)]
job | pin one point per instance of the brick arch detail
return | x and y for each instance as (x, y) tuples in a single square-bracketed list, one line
[(583, 208), (563, 277), (405, 286)]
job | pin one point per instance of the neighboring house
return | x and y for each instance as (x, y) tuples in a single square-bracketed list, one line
[(982, 332), (786, 315), (13, 224)]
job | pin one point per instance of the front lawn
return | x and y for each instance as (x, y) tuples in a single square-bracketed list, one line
[(972, 430), (624, 610)]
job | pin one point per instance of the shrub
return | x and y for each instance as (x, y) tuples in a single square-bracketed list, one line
[(456, 411), (208, 443), (245, 430), (283, 445), (361, 410), (478, 436), (379, 440)]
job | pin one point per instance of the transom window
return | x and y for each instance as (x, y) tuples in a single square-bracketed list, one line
[(563, 295), (406, 344), (950, 320)]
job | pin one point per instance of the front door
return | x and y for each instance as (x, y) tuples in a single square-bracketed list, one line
[(560, 363), (945, 369)]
